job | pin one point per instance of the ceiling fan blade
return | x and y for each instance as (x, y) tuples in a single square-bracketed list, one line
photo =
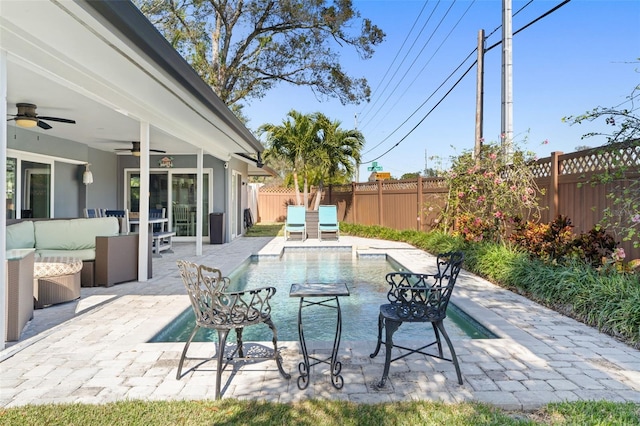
[(58, 119), (43, 125), (158, 150)]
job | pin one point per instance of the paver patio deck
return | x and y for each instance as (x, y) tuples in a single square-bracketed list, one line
[(95, 350)]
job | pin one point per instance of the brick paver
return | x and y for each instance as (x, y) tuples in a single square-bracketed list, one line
[(95, 350)]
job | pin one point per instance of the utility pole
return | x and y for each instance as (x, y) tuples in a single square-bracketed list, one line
[(426, 166), (479, 97), (355, 127), (507, 82)]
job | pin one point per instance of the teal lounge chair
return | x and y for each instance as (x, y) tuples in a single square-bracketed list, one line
[(296, 222), (328, 221)]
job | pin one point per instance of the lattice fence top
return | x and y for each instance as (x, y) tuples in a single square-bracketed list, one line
[(542, 168), (434, 183), (396, 185), (369, 186), (601, 159), (276, 190)]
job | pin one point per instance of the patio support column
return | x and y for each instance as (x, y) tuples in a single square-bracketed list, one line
[(199, 204), (143, 237), (3, 191)]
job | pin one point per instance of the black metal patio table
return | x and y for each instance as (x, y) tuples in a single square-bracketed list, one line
[(329, 293)]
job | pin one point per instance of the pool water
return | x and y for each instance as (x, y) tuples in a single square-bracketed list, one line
[(364, 276)]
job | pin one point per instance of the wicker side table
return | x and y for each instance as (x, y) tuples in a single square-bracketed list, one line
[(56, 280)]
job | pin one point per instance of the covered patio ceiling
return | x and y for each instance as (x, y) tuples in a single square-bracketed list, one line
[(103, 65)]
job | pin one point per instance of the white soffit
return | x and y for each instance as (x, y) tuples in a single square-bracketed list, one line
[(64, 45)]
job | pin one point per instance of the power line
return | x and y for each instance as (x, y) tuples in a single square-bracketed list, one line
[(457, 82), (403, 59), (426, 115), (363, 113), (425, 66), (425, 101), (412, 63), (421, 70)]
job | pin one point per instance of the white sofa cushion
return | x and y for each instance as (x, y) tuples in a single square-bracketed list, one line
[(20, 235), (73, 234)]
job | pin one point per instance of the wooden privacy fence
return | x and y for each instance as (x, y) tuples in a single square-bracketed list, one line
[(415, 203)]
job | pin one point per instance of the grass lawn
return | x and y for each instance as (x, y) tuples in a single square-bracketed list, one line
[(265, 230), (316, 412)]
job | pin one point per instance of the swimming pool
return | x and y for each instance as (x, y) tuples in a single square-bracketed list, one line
[(364, 276)]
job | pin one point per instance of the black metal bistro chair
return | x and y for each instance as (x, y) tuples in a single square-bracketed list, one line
[(221, 310), (419, 298)]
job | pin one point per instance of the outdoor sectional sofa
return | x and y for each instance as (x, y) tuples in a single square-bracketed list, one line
[(108, 257)]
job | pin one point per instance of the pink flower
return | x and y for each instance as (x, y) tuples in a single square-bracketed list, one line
[(497, 181), (545, 142), (618, 254), (498, 215), (493, 156), (636, 218), (460, 194), (481, 199), (513, 188), (473, 188)]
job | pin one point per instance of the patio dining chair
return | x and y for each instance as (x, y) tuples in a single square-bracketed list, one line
[(418, 298), (123, 217), (219, 309), (182, 219), (328, 221), (91, 213), (296, 222)]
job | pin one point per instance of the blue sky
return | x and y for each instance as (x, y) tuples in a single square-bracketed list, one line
[(582, 56)]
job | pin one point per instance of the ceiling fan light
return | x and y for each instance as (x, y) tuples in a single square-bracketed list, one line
[(27, 122), (135, 153)]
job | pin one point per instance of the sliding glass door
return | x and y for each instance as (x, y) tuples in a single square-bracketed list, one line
[(174, 190)]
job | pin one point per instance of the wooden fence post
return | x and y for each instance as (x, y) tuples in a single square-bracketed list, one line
[(419, 215), (380, 203), (553, 185), (354, 185)]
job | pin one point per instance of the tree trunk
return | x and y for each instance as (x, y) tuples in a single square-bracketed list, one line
[(295, 185)]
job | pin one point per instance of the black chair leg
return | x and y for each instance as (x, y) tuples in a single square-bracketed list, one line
[(222, 343), (440, 326), (375, 353), (276, 354), (390, 327), (239, 339), (435, 330), (184, 351)]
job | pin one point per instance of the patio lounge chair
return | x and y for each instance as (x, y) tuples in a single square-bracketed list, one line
[(419, 298), (328, 221), (296, 222), (221, 310)]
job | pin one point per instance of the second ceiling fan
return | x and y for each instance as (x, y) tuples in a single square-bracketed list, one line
[(135, 149)]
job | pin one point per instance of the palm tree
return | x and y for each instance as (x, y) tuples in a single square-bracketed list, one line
[(340, 153), (315, 146), (296, 141)]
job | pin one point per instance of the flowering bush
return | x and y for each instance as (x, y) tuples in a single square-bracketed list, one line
[(486, 194)]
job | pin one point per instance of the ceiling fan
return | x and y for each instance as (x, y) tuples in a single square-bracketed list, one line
[(27, 117), (135, 149)]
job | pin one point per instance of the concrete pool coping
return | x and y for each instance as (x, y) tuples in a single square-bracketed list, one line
[(94, 350)]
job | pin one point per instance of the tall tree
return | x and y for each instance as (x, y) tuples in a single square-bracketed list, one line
[(296, 141), (339, 154), (243, 48), (314, 146)]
